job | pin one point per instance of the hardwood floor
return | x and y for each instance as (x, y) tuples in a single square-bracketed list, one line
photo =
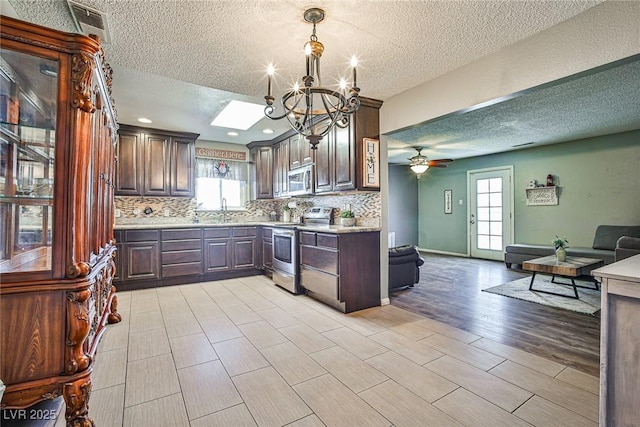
[(450, 290)]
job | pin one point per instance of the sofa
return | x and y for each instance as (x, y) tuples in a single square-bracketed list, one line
[(627, 246), (404, 267), (604, 246)]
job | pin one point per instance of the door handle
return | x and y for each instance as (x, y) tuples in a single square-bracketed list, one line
[(473, 219)]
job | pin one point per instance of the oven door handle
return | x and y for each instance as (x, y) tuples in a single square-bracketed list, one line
[(283, 233)]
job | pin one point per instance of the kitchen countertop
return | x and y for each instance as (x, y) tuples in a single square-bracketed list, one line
[(336, 229)]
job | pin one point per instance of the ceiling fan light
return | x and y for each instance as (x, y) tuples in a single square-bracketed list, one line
[(419, 169)]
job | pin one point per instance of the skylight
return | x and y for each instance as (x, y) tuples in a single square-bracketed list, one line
[(239, 115)]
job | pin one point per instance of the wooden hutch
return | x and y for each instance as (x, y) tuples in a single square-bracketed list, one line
[(57, 135)]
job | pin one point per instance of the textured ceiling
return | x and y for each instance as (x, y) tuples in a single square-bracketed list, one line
[(180, 62)]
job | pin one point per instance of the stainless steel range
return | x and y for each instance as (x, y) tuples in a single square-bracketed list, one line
[(319, 216)]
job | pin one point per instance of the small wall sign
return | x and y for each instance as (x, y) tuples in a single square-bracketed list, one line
[(212, 153), (448, 205), (371, 159)]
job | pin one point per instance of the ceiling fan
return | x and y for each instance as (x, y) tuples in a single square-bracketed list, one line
[(419, 163)]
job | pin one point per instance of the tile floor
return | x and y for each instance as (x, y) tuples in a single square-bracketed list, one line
[(243, 352)]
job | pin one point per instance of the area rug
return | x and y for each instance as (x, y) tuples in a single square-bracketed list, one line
[(589, 301)]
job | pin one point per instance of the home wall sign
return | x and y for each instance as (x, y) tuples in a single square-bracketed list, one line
[(448, 208), (542, 196), (371, 158)]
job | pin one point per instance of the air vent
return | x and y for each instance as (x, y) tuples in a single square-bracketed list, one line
[(90, 21)]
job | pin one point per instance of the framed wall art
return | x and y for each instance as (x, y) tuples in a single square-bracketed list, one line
[(448, 208), (371, 159)]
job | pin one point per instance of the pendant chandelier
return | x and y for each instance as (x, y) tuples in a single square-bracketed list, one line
[(419, 163), (313, 111)]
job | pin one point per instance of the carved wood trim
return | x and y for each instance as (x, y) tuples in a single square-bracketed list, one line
[(76, 398), (82, 66), (78, 325)]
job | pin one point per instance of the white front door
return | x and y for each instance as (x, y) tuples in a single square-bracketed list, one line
[(490, 212)]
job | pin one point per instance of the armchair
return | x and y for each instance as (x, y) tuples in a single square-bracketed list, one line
[(626, 247), (404, 267)]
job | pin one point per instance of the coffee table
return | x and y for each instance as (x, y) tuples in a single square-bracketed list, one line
[(570, 269)]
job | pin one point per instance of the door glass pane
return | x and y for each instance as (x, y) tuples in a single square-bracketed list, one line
[(489, 214), (28, 106)]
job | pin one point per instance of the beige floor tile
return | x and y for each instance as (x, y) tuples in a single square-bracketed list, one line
[(529, 360), (541, 412), (174, 306), (106, 406), (317, 321), (109, 368), (464, 352), (220, 329), (257, 302), (351, 371), (224, 299), (143, 293), (166, 412), (412, 350), (449, 331), (114, 337), (412, 330), (148, 344), (239, 356), (206, 310), (236, 416), (552, 389), (146, 321), (194, 294), (412, 376), (269, 398), (290, 362), (180, 324), (150, 379), (580, 379), (307, 339), (277, 317), (261, 334), (206, 389), (145, 305), (290, 304), (355, 343), (403, 408), (472, 410), (336, 405), (361, 325), (308, 421), (241, 314), (483, 384), (191, 350)]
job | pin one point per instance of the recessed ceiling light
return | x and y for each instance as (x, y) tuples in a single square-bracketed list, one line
[(268, 131), (232, 133), (239, 115), (144, 120)]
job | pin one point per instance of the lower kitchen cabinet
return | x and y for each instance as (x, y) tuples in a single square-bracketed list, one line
[(140, 255), (181, 252), (267, 248), (341, 270)]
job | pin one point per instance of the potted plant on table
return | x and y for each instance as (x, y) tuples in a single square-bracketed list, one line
[(559, 243), (347, 218), (286, 213)]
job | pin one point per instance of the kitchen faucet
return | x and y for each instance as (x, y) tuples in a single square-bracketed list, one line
[(224, 209)]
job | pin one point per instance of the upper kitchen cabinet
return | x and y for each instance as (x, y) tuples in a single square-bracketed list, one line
[(57, 164), (299, 152), (262, 158), (153, 162)]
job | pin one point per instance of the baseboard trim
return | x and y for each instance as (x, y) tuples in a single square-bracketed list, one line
[(443, 252), (385, 301)]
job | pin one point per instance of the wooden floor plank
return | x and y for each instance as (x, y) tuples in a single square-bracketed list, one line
[(450, 291)]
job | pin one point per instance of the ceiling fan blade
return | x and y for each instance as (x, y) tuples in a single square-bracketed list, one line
[(437, 165), (441, 160)]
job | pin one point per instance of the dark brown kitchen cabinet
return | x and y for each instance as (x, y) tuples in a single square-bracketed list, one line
[(300, 152), (281, 169), (153, 162), (181, 252), (263, 160), (344, 158), (267, 248), (342, 270), (244, 247), (324, 164), (217, 249), (141, 251), (58, 134)]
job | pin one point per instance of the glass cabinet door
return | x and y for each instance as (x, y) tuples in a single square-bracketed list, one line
[(28, 105)]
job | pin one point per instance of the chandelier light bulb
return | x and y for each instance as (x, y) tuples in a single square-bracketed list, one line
[(270, 70), (343, 84), (354, 61)]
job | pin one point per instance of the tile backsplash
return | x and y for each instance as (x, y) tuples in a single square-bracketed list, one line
[(367, 207)]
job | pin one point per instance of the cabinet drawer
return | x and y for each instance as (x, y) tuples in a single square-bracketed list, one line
[(267, 233), (216, 233), (322, 259), (187, 269), (142, 235), (307, 238), (183, 234), (244, 231), (181, 245), (320, 282), (180, 257), (118, 235), (327, 240)]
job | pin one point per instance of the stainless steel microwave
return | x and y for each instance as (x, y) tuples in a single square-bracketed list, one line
[(301, 181)]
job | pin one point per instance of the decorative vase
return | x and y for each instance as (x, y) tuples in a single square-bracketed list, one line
[(561, 254), (286, 216), (347, 222)]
